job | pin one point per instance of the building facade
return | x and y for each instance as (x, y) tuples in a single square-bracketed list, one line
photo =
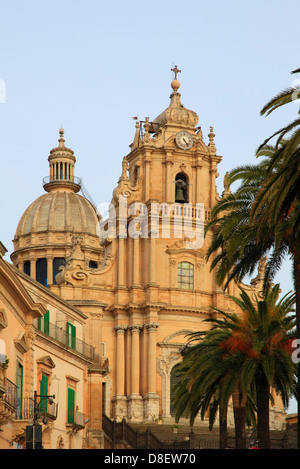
[(43, 354), (139, 277)]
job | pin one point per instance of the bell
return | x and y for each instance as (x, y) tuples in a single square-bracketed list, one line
[(151, 128), (180, 196)]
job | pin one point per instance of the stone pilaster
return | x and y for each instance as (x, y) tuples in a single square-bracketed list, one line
[(134, 401), (119, 400), (151, 399)]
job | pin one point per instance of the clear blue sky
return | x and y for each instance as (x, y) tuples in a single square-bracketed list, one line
[(90, 66)]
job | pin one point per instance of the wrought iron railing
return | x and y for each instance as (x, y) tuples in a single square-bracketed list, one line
[(25, 409), (78, 420), (10, 394), (65, 339), (122, 431), (72, 180)]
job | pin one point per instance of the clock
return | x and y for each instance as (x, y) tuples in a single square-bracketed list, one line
[(184, 140)]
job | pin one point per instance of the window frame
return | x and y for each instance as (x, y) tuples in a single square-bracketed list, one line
[(181, 284)]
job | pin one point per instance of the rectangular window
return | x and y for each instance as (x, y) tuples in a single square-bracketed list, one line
[(71, 405), (71, 335), (27, 267), (41, 271)]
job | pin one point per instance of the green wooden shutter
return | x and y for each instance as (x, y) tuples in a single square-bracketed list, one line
[(43, 392), (71, 330), (71, 405), (44, 323)]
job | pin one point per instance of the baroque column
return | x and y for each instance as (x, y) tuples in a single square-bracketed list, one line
[(50, 269), (119, 401), (33, 267), (135, 404), (147, 161), (169, 187), (151, 400)]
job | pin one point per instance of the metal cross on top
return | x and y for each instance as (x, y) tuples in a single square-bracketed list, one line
[(175, 70)]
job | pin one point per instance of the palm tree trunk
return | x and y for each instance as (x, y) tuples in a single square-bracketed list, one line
[(296, 267), (239, 412), (263, 411), (223, 429)]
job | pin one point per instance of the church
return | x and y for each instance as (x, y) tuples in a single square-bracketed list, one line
[(139, 277)]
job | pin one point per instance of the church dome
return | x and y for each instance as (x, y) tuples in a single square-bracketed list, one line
[(58, 211), (56, 221)]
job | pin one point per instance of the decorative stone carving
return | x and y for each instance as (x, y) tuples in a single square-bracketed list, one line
[(135, 328), (152, 326), (176, 113), (74, 271), (211, 145), (135, 408)]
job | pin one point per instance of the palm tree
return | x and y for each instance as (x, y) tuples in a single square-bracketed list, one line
[(243, 356), (264, 213), (235, 248), (204, 386), (282, 190), (264, 337), (242, 234)]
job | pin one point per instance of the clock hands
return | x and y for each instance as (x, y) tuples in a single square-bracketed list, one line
[(185, 141)]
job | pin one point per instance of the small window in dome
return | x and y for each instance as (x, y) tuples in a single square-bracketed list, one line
[(41, 271), (57, 263), (93, 265), (26, 268)]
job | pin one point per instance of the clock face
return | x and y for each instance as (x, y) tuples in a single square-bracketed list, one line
[(184, 140)]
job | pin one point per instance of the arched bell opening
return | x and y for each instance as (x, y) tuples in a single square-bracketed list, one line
[(181, 188)]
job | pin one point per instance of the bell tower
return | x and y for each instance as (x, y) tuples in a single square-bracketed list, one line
[(170, 159), (163, 285)]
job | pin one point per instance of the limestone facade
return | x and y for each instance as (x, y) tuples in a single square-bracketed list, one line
[(41, 357), (140, 277)]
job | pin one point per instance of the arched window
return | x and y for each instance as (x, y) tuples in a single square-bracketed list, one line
[(185, 276), (173, 380), (181, 189)]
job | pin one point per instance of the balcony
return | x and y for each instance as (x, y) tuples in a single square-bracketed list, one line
[(76, 421), (73, 183), (25, 410), (8, 400), (61, 336)]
